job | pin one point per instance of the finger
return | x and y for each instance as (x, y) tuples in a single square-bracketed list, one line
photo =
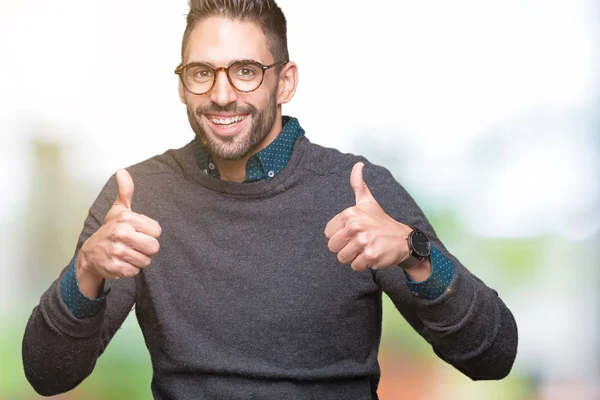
[(341, 221), (125, 189), (136, 258), (349, 253), (144, 244), (140, 223), (338, 222), (339, 240), (122, 269), (360, 263), (361, 190), (147, 225)]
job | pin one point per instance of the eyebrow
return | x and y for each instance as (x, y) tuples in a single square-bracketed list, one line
[(249, 60)]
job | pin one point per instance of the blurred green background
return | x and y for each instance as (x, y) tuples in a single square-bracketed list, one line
[(487, 112)]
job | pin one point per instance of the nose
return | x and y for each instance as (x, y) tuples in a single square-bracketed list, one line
[(222, 92)]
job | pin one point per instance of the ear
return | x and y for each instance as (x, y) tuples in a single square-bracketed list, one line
[(181, 92), (288, 81)]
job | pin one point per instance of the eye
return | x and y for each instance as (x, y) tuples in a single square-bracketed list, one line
[(200, 72), (244, 71)]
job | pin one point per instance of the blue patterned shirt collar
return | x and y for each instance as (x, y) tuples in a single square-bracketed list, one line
[(265, 164)]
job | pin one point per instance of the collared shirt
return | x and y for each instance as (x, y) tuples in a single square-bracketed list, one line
[(266, 163)]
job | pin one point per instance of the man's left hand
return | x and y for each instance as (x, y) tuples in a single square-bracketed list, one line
[(363, 235)]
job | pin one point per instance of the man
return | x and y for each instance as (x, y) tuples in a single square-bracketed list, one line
[(255, 259)]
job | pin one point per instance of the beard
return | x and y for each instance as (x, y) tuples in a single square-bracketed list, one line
[(239, 146)]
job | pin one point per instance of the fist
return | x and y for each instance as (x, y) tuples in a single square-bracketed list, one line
[(363, 235), (124, 245)]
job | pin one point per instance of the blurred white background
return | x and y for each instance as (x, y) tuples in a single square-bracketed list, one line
[(488, 109)]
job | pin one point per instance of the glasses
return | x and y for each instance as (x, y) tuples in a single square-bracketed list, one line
[(245, 76)]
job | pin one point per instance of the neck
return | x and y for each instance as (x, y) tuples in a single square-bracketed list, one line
[(235, 170)]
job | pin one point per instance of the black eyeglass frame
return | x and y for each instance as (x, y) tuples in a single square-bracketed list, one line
[(181, 68)]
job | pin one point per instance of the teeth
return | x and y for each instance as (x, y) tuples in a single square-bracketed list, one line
[(227, 121)]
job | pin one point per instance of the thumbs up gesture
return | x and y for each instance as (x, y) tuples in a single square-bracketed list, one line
[(120, 248), (363, 235), (125, 189)]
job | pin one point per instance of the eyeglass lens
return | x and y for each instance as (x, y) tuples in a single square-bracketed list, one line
[(244, 76)]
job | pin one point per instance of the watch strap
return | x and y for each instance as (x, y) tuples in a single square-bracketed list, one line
[(409, 262)]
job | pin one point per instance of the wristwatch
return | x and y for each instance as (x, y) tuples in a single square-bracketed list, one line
[(419, 248)]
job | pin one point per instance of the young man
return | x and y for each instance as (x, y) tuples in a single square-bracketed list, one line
[(256, 260)]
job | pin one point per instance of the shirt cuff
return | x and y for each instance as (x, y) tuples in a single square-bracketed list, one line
[(80, 305), (442, 272)]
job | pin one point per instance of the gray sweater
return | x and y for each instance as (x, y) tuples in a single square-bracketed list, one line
[(225, 317)]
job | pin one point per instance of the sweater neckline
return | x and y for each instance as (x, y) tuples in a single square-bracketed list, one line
[(249, 188)]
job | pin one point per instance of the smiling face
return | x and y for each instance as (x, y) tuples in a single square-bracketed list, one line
[(233, 125)]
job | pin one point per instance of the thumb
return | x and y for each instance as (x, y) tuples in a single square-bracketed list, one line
[(125, 185), (361, 190)]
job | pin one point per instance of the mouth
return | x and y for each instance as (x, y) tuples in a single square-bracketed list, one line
[(226, 125)]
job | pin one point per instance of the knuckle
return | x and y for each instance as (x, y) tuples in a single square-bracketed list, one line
[(354, 226), (363, 239), (125, 216), (350, 212), (120, 233), (369, 255), (118, 250)]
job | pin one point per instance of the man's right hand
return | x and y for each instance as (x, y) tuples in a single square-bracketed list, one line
[(120, 248)]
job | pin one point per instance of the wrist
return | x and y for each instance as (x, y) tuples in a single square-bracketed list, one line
[(419, 248), (420, 272), (88, 281)]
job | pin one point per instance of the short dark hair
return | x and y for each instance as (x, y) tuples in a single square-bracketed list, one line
[(265, 13)]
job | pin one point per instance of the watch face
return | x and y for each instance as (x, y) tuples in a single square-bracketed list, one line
[(420, 243)]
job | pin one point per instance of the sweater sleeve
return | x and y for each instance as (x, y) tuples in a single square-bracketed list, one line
[(79, 304), (60, 350), (442, 272), (468, 326)]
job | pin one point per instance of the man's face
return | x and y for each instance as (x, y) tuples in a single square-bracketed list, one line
[(251, 116)]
